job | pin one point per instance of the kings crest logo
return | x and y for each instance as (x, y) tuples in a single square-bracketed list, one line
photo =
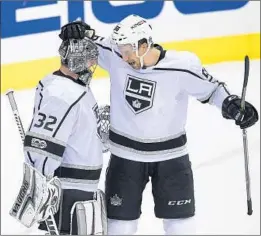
[(139, 93)]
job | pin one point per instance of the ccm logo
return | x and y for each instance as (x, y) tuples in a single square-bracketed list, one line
[(179, 202)]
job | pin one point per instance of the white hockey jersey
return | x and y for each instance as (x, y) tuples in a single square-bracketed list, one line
[(63, 136), (149, 106)]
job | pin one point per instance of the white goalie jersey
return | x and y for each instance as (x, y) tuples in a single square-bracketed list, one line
[(149, 106), (60, 139)]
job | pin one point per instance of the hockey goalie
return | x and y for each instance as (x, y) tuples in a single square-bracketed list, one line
[(63, 150)]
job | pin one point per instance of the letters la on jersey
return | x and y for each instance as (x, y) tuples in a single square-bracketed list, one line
[(139, 93)]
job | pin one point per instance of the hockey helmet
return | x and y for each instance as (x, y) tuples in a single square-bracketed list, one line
[(129, 32)]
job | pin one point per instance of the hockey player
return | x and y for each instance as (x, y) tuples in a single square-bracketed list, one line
[(148, 108), (63, 145)]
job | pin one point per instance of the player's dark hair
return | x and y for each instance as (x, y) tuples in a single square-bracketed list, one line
[(142, 41), (63, 63)]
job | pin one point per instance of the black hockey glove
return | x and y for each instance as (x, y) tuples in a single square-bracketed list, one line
[(76, 30), (231, 110)]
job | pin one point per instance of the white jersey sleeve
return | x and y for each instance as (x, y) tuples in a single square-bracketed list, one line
[(52, 124), (200, 84), (105, 51)]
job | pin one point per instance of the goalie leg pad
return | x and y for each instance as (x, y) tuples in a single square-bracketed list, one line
[(90, 216), (37, 198)]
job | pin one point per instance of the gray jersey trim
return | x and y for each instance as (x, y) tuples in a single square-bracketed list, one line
[(81, 167), (168, 151), (79, 181), (146, 157), (79, 186)]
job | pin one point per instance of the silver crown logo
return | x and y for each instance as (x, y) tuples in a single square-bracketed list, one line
[(115, 200), (136, 103)]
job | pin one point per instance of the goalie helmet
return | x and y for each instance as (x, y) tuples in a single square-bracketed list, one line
[(80, 56), (129, 32)]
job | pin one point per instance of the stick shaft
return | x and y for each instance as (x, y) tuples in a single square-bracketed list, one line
[(10, 95), (245, 142)]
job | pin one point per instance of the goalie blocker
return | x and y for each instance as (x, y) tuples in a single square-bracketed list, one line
[(39, 198)]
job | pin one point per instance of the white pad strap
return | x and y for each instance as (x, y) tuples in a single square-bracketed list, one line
[(91, 216)]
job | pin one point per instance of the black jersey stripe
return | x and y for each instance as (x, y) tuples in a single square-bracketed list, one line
[(180, 70), (220, 84), (30, 158), (39, 106), (196, 75), (40, 102), (44, 163), (148, 147), (67, 112), (41, 84), (109, 49), (75, 173), (41, 96), (106, 48), (45, 145), (228, 93)]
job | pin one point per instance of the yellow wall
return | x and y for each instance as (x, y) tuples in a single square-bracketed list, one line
[(210, 50)]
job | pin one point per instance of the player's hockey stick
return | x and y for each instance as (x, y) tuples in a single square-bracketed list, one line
[(244, 132), (50, 222)]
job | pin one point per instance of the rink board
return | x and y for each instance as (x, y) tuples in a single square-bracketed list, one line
[(210, 50), (217, 31)]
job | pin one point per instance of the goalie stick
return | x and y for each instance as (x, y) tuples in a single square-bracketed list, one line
[(50, 222)]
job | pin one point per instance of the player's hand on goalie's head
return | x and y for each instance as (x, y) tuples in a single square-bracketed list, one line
[(231, 109), (76, 30)]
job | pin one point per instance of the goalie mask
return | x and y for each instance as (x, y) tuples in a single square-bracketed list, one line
[(80, 56)]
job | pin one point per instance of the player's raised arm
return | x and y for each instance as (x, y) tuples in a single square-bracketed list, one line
[(79, 30), (200, 84), (207, 89)]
